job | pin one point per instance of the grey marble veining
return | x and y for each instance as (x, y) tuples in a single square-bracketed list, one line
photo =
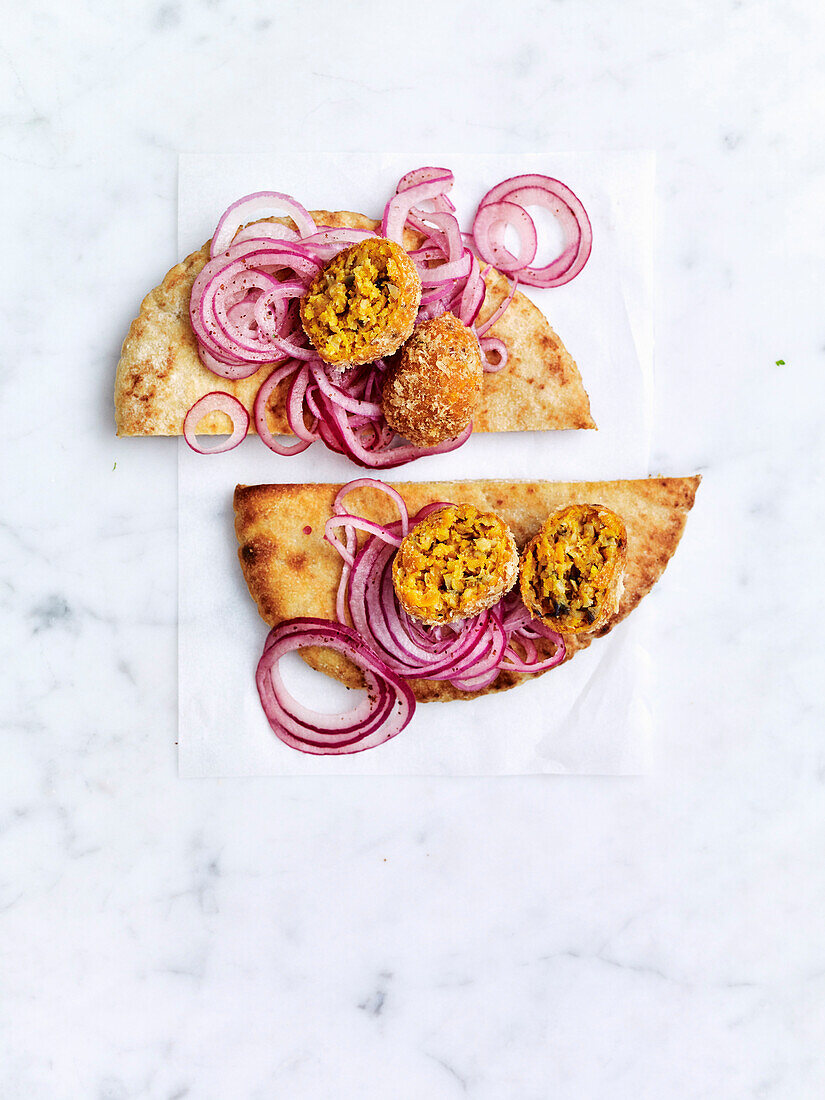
[(515, 939)]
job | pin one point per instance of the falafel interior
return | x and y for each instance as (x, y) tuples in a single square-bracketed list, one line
[(455, 563), (352, 311), (570, 568)]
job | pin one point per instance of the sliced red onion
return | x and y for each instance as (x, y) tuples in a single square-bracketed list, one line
[(406, 646), (385, 459), (472, 296), (382, 487), (384, 712), (254, 207), (369, 409), (489, 227), (552, 195), (216, 402), (241, 287), (424, 175), (259, 230), (512, 662), (490, 344), (440, 294), (435, 309), (448, 232), (439, 202), (453, 269), (398, 208), (221, 282), (270, 309), (286, 347), (330, 241), (259, 410), (428, 252), (497, 313), (230, 370), (295, 406), (244, 313), (356, 523)]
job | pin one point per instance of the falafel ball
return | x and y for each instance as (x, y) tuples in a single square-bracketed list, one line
[(432, 391), (363, 305), (571, 575), (455, 563)]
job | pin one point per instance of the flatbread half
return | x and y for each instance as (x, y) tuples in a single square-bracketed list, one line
[(159, 376), (291, 570)]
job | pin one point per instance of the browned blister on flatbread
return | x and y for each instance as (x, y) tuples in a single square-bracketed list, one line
[(291, 571), (159, 376)]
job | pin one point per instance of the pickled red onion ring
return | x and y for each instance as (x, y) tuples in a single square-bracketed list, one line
[(296, 397), (254, 207), (439, 202), (383, 487), (473, 295), (259, 411), (489, 225), (357, 524), (499, 312), (398, 208), (332, 240), (218, 401), (446, 272), (385, 711), (370, 409), (498, 347), (447, 231), (387, 458), (259, 230), (496, 210), (225, 367), (422, 175)]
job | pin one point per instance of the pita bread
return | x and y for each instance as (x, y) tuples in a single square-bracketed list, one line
[(159, 376), (290, 570)]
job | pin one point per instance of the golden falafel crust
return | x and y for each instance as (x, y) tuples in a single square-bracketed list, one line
[(433, 389)]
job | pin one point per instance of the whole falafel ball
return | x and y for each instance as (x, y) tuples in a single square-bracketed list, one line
[(433, 389)]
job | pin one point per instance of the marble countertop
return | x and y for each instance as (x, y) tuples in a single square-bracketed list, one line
[(400, 938)]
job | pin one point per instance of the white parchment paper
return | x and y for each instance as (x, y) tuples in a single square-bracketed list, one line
[(589, 716)]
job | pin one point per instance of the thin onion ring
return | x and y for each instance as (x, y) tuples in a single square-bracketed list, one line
[(251, 208), (383, 714), (259, 411), (217, 401), (554, 196)]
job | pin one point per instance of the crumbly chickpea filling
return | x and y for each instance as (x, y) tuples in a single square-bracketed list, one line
[(352, 296), (568, 567), (450, 560)]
